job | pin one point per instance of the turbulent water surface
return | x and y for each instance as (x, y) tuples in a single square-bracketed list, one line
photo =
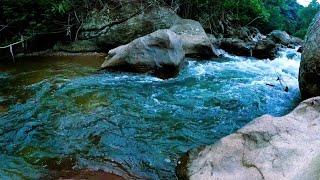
[(59, 113)]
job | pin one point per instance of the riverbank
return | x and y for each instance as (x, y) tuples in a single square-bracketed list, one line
[(267, 148)]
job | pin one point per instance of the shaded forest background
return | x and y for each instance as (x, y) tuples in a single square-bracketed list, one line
[(30, 18)]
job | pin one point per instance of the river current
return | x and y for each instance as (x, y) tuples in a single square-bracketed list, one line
[(60, 113)]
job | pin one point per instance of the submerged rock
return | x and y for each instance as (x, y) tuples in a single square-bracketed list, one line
[(85, 174), (160, 53), (269, 147), (309, 75)]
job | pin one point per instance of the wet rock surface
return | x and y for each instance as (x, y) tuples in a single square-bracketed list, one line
[(267, 148)]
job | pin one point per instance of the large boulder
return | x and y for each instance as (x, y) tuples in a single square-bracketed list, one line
[(109, 30), (236, 46), (269, 147), (196, 43), (309, 76), (117, 25), (265, 49), (112, 27), (160, 53), (282, 37), (248, 41)]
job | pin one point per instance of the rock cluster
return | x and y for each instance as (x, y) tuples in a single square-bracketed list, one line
[(250, 42), (126, 29), (159, 52)]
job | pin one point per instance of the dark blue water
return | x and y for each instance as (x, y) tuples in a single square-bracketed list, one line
[(58, 113)]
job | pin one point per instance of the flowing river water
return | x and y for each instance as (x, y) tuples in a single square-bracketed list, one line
[(60, 114)]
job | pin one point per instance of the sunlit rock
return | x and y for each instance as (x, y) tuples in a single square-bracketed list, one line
[(160, 53), (195, 41), (267, 148), (282, 37)]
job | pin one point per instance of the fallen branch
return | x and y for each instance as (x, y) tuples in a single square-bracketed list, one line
[(3, 27), (259, 17), (10, 46)]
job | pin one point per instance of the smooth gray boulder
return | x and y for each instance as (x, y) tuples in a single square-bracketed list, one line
[(160, 53), (268, 148), (282, 37), (309, 75), (112, 27), (195, 41)]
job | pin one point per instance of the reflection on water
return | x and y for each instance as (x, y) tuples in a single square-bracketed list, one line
[(59, 114)]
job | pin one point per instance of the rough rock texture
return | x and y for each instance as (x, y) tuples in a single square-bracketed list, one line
[(114, 26), (195, 41), (248, 41), (160, 53), (309, 76), (107, 29), (236, 46), (265, 49), (282, 37), (122, 30), (269, 148)]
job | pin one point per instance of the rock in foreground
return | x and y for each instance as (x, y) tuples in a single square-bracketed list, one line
[(269, 147), (160, 53), (309, 76)]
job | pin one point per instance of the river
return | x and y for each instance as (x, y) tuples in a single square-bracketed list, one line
[(61, 114)]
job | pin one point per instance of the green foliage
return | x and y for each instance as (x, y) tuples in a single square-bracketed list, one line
[(240, 11), (30, 17), (246, 10), (61, 7), (306, 15), (33, 17), (267, 15)]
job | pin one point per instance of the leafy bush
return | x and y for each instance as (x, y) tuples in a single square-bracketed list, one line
[(33, 17)]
